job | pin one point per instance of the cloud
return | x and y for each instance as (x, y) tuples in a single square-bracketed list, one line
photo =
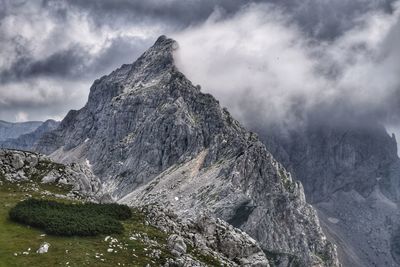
[(322, 18), (173, 13), (53, 47), (41, 99), (266, 71), (50, 53), (328, 19), (21, 117), (75, 61)]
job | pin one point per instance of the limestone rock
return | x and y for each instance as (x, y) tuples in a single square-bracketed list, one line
[(176, 245), (17, 166), (208, 235)]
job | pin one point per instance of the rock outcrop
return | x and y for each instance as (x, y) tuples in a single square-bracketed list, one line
[(176, 245), (20, 166), (208, 235), (153, 137)]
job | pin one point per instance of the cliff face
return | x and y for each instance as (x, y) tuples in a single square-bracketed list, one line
[(330, 158), (351, 174), (153, 137)]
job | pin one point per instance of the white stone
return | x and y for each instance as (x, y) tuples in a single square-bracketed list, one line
[(44, 248)]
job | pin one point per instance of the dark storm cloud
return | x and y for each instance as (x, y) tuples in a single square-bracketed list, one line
[(122, 50), (322, 19), (328, 19), (325, 19), (51, 50), (176, 13), (291, 78), (66, 63), (75, 62)]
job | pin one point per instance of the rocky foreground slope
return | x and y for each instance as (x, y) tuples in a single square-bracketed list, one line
[(153, 137), (351, 174), (205, 241)]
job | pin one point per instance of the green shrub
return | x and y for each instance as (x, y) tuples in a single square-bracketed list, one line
[(56, 218)]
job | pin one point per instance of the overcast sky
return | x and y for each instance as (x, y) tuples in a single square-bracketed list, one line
[(277, 59)]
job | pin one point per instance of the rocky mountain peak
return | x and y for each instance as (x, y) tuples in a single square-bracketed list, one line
[(151, 136), (156, 64), (162, 48)]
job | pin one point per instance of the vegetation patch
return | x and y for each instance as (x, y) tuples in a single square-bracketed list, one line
[(209, 260), (287, 183), (61, 219), (19, 243)]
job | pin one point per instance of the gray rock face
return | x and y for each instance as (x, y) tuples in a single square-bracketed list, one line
[(21, 166), (331, 158), (208, 235), (14, 130), (27, 141), (176, 245), (351, 174), (153, 137)]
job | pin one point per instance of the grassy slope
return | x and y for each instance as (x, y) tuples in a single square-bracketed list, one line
[(76, 251)]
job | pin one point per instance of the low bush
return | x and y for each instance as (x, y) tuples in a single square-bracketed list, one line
[(88, 219)]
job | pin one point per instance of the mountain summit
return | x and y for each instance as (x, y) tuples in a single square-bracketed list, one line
[(152, 137)]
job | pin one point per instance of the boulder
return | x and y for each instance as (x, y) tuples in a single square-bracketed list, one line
[(44, 248), (176, 245)]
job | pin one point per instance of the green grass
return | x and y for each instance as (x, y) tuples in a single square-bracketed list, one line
[(207, 259), (324, 257), (77, 251)]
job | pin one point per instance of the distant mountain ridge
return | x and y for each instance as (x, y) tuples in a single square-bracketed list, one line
[(28, 140), (15, 129), (153, 137)]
